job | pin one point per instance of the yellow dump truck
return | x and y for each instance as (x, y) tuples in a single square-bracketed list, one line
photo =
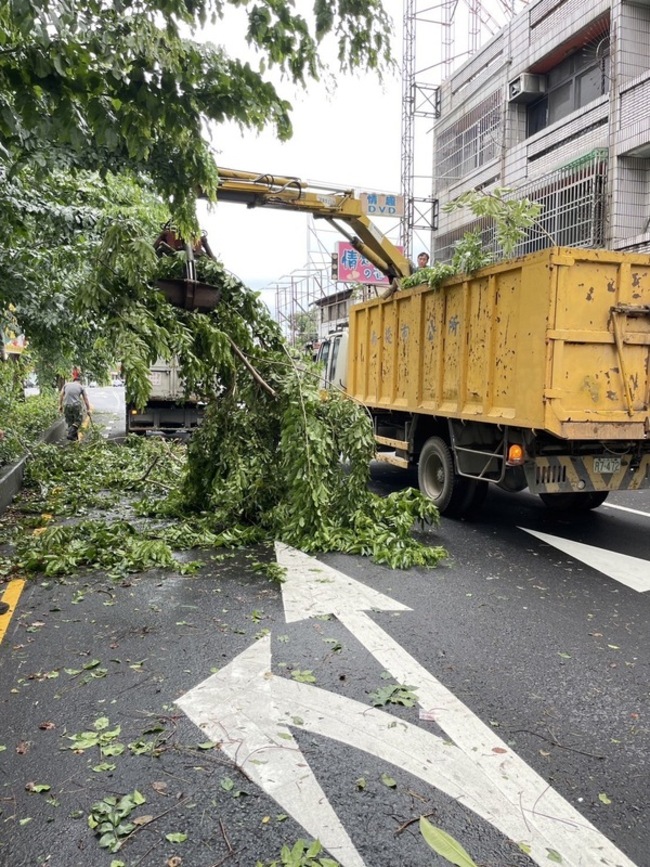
[(533, 372)]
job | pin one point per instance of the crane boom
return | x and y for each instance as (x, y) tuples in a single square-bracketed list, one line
[(339, 207)]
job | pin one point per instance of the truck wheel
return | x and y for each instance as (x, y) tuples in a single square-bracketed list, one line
[(454, 495), (574, 501)]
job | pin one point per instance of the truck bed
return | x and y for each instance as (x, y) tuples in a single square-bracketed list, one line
[(557, 341)]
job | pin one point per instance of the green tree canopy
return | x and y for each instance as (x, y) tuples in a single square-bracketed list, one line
[(129, 84), (53, 270), (108, 113)]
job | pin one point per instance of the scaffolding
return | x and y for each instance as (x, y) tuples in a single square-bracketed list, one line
[(311, 295), (297, 294), (420, 107), (431, 52)]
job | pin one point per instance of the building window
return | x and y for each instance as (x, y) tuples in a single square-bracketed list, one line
[(572, 84), (573, 201), (471, 142), (573, 205)]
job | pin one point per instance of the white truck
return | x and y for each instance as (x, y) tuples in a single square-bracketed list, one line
[(168, 411)]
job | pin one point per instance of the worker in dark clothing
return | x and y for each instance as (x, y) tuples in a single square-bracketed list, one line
[(72, 400)]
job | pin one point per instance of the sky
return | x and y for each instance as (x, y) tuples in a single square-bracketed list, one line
[(349, 138)]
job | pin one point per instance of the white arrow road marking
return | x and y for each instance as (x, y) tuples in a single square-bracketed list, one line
[(249, 710), (631, 571), (550, 821), (243, 707)]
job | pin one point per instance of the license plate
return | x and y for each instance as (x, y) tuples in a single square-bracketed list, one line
[(607, 465)]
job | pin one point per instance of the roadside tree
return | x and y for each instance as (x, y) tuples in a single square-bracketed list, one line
[(100, 96)]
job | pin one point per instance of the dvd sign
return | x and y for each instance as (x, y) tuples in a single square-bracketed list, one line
[(382, 204)]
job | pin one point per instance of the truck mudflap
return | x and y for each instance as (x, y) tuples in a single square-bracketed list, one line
[(607, 472)]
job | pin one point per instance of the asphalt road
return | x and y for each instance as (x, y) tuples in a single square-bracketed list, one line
[(529, 655), (108, 409)]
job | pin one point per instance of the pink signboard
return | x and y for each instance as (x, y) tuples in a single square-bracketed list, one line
[(355, 268)]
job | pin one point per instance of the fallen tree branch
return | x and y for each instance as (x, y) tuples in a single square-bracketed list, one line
[(556, 743), (251, 369)]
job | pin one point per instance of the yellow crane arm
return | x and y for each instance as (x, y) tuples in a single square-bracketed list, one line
[(338, 206)]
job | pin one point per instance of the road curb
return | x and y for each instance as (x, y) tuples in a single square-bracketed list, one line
[(11, 477)]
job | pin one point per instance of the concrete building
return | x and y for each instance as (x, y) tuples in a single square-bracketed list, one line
[(555, 107)]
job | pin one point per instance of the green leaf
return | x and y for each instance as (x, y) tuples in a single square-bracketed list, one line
[(388, 781), (445, 845), (554, 856), (38, 787), (306, 676), (176, 837), (602, 797), (109, 841), (337, 647)]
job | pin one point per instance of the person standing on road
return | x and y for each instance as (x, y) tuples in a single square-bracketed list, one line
[(72, 400)]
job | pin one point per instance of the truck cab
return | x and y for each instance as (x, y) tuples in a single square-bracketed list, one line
[(333, 356)]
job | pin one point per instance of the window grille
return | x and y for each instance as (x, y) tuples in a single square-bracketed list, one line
[(573, 202), (471, 142)]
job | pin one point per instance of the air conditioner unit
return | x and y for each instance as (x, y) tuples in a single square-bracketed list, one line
[(526, 88)]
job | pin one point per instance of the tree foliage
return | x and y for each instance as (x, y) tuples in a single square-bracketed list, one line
[(105, 110), (121, 85), (273, 457), (511, 217), (23, 419), (109, 113), (55, 261)]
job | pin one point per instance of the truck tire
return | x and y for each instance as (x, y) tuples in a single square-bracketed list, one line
[(438, 480), (574, 501)]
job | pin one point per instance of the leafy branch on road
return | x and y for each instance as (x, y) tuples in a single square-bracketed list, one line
[(301, 854), (108, 819), (119, 522), (394, 693)]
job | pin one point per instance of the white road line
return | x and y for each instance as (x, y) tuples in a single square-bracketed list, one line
[(631, 571), (626, 509), (249, 712), (319, 589), (240, 709)]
